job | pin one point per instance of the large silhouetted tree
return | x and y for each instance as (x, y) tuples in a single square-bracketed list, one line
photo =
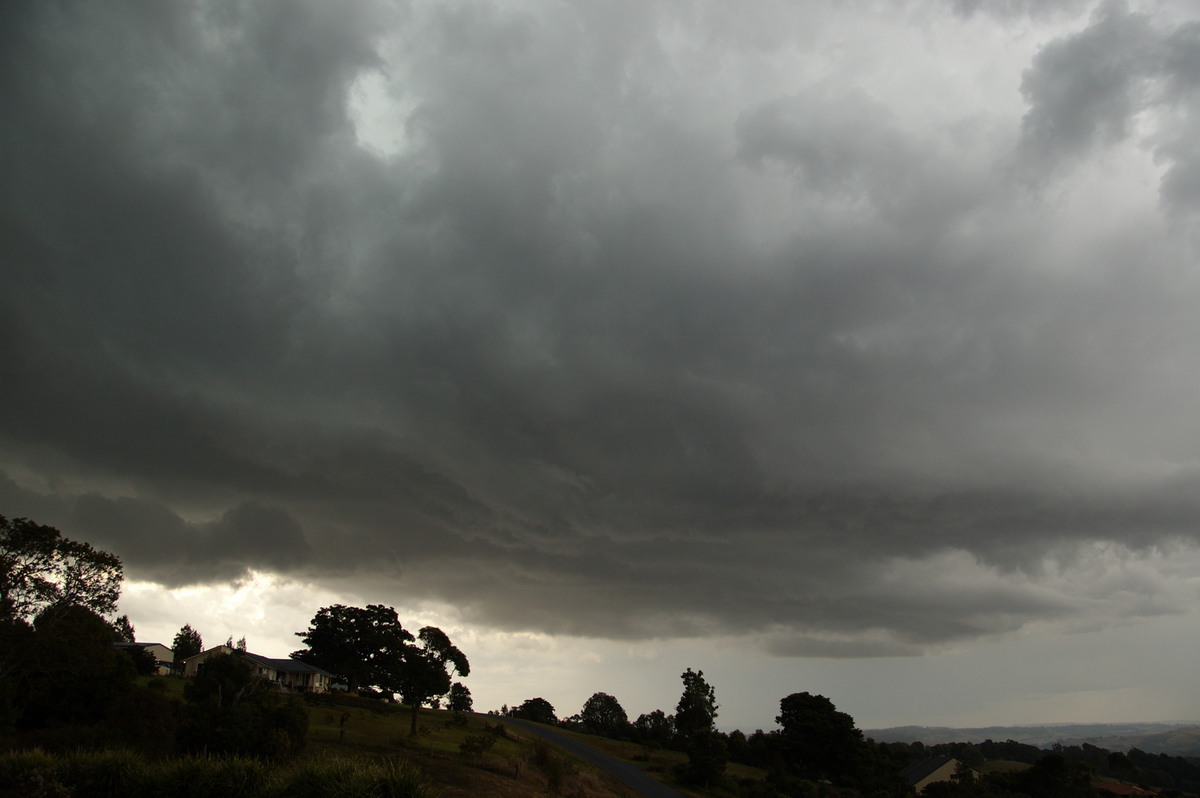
[(539, 710), (697, 708), (426, 670), (361, 646), (603, 714), (39, 568), (694, 716), (818, 740)]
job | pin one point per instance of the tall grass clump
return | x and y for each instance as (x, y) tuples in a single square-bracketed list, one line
[(341, 778), (31, 773), (104, 774), (204, 775), (402, 780)]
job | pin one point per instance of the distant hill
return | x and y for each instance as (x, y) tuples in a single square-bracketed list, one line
[(1153, 738)]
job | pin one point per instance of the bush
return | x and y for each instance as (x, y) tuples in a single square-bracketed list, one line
[(475, 745), (145, 719), (555, 768)]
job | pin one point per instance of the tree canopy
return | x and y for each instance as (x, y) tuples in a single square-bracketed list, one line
[(426, 669), (361, 646), (819, 740), (603, 714), (539, 710), (40, 568), (187, 643), (460, 698), (697, 708)]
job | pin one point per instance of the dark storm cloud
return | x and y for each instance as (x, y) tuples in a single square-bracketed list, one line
[(597, 347)]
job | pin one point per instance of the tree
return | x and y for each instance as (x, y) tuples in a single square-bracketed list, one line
[(460, 698), (426, 670), (697, 708), (707, 757), (538, 710), (818, 740), (124, 629), (603, 714), (361, 646), (187, 643), (655, 729), (72, 672), (39, 568)]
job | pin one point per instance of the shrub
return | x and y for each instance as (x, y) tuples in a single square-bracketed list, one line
[(475, 745), (555, 768), (259, 728), (145, 719)]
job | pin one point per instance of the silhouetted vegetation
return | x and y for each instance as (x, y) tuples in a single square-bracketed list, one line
[(538, 710), (70, 698)]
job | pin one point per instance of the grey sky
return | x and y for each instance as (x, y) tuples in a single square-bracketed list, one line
[(856, 330)]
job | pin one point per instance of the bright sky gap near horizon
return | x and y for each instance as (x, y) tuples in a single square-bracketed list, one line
[(850, 348)]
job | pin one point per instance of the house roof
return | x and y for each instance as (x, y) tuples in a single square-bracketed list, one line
[(290, 665), (915, 772)]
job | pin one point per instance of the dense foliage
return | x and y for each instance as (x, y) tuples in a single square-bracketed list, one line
[(232, 711), (603, 714), (362, 646), (187, 643), (539, 710), (425, 670), (39, 569)]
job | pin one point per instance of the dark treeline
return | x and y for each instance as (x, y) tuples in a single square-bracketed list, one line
[(66, 684), (818, 749)]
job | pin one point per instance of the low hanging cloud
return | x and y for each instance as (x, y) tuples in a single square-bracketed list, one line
[(630, 324)]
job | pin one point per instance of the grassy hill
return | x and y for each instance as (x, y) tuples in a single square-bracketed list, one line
[(510, 764), (515, 764)]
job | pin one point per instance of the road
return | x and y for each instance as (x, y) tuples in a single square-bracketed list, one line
[(628, 774)]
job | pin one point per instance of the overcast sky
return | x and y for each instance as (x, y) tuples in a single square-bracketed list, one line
[(850, 348)]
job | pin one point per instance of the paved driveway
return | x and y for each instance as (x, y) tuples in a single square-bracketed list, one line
[(626, 773)]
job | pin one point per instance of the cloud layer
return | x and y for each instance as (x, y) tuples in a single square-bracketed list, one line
[(864, 331)]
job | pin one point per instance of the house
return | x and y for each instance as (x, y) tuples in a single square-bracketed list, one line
[(936, 768), (286, 674), (162, 655)]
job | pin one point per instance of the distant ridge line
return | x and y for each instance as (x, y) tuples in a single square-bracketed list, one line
[(1175, 739)]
